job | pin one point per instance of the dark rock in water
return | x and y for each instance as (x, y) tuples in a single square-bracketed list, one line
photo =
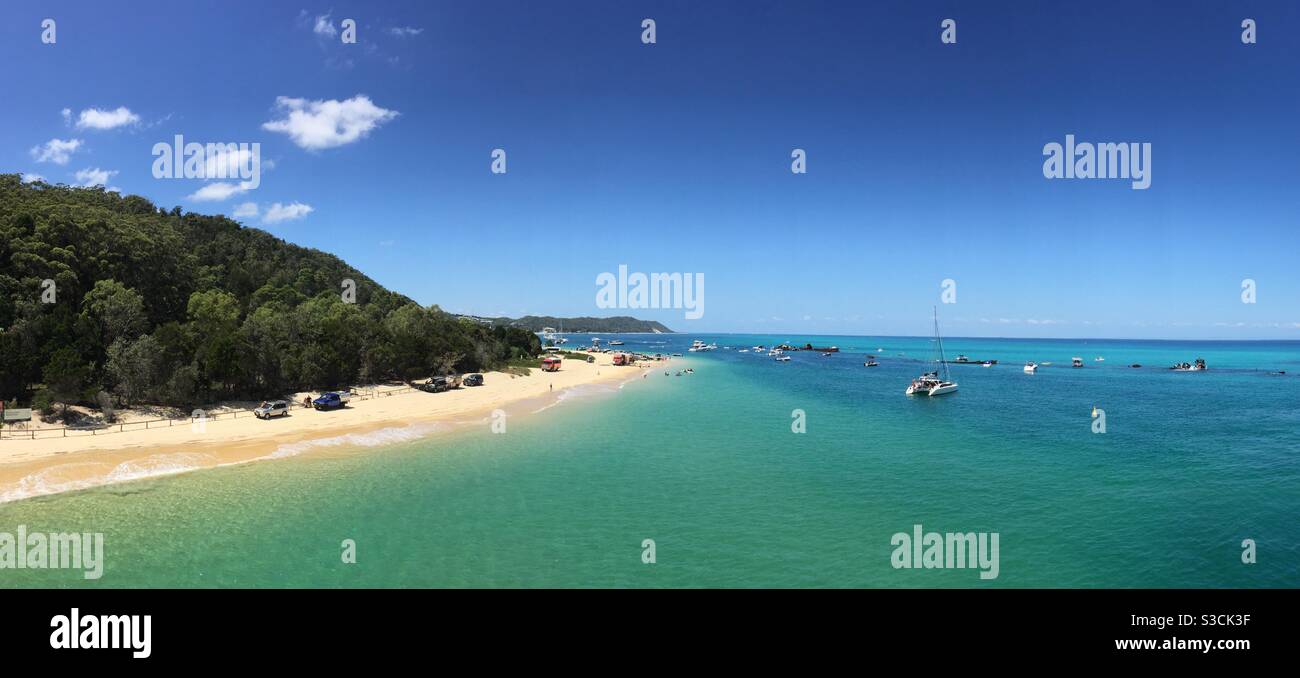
[(1135, 365)]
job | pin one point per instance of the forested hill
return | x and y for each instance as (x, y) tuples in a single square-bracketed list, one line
[(104, 293)]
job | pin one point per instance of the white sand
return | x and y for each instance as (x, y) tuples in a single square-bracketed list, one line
[(53, 464)]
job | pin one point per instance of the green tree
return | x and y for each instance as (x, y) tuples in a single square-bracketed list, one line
[(66, 376), (214, 323), (134, 366), (117, 311)]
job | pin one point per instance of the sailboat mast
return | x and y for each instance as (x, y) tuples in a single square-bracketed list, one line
[(943, 362)]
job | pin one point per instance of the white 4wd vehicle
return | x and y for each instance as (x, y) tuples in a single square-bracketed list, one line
[(275, 408)]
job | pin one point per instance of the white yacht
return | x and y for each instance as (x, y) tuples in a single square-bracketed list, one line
[(931, 383), (698, 346)]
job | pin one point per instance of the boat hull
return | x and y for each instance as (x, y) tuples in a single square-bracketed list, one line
[(938, 390)]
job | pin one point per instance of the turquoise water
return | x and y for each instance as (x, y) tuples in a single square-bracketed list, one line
[(706, 465)]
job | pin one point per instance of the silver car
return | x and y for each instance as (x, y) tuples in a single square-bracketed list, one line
[(274, 408)]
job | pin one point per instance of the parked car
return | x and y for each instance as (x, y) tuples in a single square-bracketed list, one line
[(274, 408), (439, 384), (331, 401), (435, 385), (472, 380)]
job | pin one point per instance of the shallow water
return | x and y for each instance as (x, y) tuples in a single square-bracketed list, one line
[(707, 466)]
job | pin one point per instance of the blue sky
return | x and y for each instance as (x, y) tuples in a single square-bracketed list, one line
[(924, 159)]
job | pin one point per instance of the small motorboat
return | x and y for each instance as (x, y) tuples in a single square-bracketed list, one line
[(827, 355), (871, 363), (1099, 359), (1076, 362), (1031, 368), (1136, 365), (1198, 366), (782, 358)]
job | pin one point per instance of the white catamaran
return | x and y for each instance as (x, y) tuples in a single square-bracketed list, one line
[(931, 383)]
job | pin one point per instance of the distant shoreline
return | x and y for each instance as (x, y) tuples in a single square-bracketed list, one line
[(794, 335)]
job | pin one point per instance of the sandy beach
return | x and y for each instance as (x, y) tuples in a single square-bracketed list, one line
[(48, 465)]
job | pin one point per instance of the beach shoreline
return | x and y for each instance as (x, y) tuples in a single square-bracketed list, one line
[(47, 466)]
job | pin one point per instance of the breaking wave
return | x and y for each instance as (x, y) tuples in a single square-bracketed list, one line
[(54, 480), (380, 437)]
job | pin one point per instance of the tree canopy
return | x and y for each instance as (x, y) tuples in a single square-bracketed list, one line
[(104, 292)]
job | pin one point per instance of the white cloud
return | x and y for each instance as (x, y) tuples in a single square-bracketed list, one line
[(277, 212), (243, 210), (91, 177), (218, 191), (94, 176), (56, 151), (95, 118), (324, 26), (225, 163), (405, 31), (314, 125), (32, 178), (67, 116)]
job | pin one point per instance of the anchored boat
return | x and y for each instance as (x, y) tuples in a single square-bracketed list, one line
[(931, 383)]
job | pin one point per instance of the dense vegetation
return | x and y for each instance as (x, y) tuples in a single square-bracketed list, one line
[(163, 307), (584, 325)]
